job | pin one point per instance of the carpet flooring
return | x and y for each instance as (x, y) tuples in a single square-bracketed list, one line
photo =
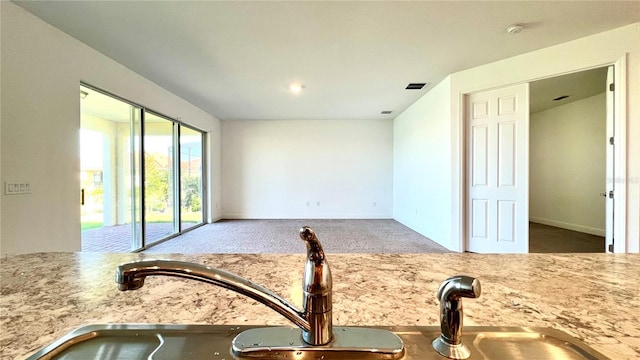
[(384, 236), (337, 236)]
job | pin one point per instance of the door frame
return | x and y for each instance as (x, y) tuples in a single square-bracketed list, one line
[(620, 151)]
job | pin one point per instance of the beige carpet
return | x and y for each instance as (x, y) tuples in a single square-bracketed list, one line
[(383, 236)]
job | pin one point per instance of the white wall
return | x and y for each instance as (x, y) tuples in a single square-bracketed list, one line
[(422, 166), (214, 173), (567, 165), (2, 251), (621, 46), (41, 72), (593, 51), (271, 169)]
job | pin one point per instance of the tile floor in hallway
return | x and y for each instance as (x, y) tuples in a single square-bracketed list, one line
[(117, 238)]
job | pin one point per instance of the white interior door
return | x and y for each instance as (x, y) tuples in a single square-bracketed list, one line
[(610, 184), (497, 178)]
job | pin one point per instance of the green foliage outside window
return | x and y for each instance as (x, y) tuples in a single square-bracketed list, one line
[(191, 193), (156, 184)]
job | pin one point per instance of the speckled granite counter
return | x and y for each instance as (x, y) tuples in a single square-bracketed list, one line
[(594, 297)]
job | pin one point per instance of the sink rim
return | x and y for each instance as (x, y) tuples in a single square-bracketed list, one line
[(91, 331)]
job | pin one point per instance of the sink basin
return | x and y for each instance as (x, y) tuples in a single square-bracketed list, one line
[(142, 341)]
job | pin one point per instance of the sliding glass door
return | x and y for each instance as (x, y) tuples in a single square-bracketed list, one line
[(159, 175), (171, 151), (109, 173), (136, 174), (190, 177)]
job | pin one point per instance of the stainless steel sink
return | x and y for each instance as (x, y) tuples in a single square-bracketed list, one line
[(142, 341)]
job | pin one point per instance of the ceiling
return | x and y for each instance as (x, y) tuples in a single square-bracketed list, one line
[(576, 86), (236, 59)]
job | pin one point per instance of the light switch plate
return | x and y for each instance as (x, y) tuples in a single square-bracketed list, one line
[(17, 188)]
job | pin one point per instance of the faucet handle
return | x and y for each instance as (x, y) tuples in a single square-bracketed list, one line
[(314, 248), (450, 294), (317, 287), (317, 278)]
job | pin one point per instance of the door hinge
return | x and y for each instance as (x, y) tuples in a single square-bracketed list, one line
[(610, 247), (612, 87), (611, 140), (610, 194)]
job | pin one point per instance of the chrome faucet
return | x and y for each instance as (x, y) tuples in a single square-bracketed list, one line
[(317, 286), (450, 293), (315, 320)]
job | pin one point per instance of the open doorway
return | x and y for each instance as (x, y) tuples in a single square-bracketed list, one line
[(568, 163)]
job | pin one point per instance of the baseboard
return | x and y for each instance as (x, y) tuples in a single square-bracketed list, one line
[(569, 226)]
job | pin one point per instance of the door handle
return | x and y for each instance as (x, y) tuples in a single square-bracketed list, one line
[(82, 197), (610, 194)]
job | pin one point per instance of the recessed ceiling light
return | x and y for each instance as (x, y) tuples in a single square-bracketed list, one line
[(514, 28), (296, 88)]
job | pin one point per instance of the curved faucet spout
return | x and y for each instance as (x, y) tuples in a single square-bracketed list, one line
[(130, 276), (315, 319)]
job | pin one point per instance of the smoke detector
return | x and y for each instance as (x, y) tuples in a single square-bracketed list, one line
[(514, 28)]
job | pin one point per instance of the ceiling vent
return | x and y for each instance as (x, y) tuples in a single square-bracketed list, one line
[(561, 97), (415, 86), (386, 112)]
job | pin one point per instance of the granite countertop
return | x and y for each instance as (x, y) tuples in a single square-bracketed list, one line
[(594, 297)]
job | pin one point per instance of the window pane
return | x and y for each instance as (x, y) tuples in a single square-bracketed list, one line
[(190, 177), (109, 162), (158, 178)]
